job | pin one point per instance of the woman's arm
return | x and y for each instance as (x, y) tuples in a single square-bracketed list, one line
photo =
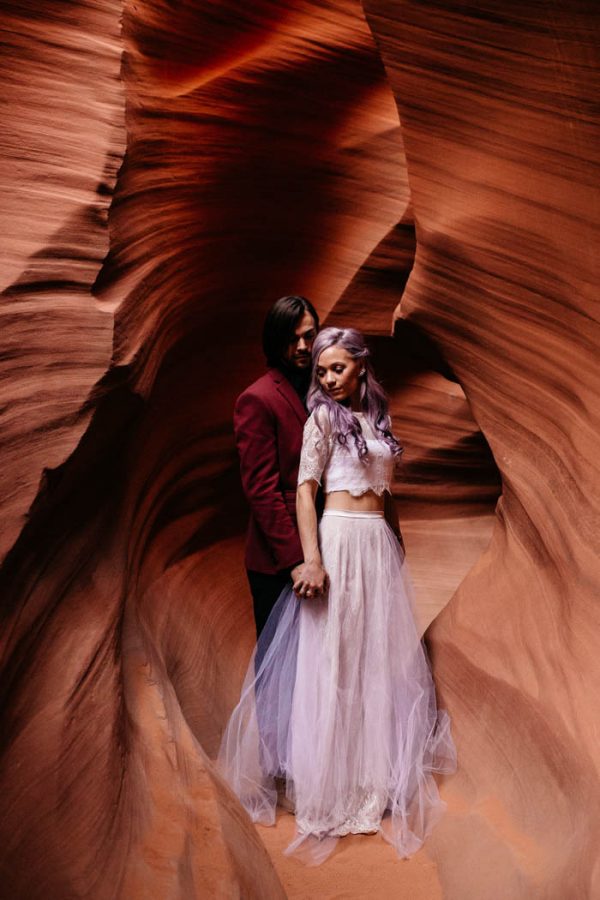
[(391, 517), (312, 577)]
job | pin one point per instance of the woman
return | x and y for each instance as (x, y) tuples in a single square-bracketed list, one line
[(343, 705)]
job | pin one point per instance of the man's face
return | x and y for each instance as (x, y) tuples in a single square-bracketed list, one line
[(298, 352)]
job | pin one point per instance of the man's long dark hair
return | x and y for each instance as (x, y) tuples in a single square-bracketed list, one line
[(280, 324)]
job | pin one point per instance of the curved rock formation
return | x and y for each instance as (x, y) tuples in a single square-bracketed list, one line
[(62, 142), (496, 107), (264, 154), (125, 615)]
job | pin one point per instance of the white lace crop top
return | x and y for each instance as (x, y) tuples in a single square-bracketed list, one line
[(338, 467)]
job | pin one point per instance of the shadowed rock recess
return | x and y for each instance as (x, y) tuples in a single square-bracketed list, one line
[(169, 170)]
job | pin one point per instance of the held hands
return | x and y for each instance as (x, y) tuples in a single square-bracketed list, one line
[(310, 580)]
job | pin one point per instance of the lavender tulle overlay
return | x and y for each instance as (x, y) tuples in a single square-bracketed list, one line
[(339, 701)]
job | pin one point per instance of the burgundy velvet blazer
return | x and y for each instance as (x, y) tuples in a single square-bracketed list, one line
[(268, 421)]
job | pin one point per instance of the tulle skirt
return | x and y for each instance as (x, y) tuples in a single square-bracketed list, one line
[(339, 702)]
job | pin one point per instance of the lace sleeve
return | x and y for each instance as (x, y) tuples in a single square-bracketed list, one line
[(316, 447)]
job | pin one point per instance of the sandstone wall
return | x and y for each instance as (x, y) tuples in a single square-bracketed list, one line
[(259, 151)]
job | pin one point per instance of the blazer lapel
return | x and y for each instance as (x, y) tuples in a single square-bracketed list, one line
[(287, 391)]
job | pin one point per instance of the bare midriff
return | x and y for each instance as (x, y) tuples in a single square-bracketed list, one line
[(367, 502)]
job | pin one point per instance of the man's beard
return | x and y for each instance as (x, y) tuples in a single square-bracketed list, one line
[(298, 377), (306, 357)]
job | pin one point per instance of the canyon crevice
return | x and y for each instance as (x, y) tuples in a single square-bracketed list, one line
[(425, 167)]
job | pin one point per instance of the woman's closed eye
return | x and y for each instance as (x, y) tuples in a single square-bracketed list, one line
[(321, 373)]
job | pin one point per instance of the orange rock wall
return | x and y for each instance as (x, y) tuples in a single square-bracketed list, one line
[(496, 105), (263, 154), (62, 141)]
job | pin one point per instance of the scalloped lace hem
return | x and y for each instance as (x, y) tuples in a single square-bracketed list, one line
[(361, 814), (308, 476), (378, 489)]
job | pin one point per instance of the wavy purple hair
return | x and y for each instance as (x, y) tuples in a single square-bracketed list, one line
[(373, 401)]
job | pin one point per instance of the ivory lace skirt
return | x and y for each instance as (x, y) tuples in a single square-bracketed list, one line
[(342, 703)]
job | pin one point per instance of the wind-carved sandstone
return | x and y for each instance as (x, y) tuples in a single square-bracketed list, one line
[(264, 154), (496, 109)]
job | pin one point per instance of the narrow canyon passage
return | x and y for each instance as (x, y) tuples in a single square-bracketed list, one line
[(425, 168)]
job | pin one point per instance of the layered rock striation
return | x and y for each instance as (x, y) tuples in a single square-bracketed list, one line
[(260, 152), (500, 136)]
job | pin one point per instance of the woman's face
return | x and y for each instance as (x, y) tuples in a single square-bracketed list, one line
[(339, 374)]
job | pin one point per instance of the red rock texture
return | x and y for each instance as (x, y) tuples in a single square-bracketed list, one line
[(497, 111), (264, 154), (62, 141)]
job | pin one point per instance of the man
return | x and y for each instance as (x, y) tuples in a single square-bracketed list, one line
[(268, 422)]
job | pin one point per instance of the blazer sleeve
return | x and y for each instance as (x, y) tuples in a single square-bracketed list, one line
[(256, 438)]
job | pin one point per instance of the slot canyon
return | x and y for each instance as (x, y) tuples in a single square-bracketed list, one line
[(424, 170)]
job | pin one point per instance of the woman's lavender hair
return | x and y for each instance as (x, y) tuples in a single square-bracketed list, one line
[(373, 401)]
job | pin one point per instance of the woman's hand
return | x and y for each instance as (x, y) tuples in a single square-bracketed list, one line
[(311, 580)]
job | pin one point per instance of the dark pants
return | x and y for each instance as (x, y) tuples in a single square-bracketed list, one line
[(265, 590)]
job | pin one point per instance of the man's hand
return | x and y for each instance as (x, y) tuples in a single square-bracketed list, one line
[(310, 580)]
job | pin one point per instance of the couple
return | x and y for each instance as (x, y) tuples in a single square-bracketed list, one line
[(338, 702)]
